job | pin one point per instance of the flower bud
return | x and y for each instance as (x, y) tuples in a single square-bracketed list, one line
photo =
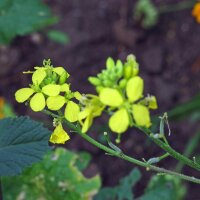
[(122, 83), (128, 71), (94, 81), (63, 78), (99, 88)]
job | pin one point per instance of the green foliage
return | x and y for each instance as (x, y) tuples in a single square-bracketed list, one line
[(147, 12), (58, 36), (57, 177), (19, 17), (164, 187), (22, 142), (123, 191)]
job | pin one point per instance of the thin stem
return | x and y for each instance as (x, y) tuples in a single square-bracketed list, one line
[(170, 150), (164, 156), (122, 155), (191, 146), (128, 158)]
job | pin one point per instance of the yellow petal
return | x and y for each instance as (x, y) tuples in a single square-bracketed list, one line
[(71, 111), (59, 136), (87, 123), (152, 102), (83, 114), (64, 88), (77, 95), (38, 76), (55, 103), (134, 88), (23, 94), (51, 90), (110, 97), (141, 115), (60, 71), (37, 102), (119, 121)]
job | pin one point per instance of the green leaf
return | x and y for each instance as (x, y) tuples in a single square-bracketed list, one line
[(58, 36), (22, 142), (83, 160), (19, 17), (55, 178), (164, 187), (147, 11), (123, 191)]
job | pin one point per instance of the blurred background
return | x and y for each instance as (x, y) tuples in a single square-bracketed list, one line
[(80, 35)]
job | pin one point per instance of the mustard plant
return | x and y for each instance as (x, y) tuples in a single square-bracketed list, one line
[(119, 93)]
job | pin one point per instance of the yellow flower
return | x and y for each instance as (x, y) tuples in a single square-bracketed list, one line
[(59, 136), (121, 119), (37, 101), (196, 12), (93, 108), (47, 83), (71, 111)]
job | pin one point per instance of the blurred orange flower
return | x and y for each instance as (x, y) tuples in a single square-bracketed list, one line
[(196, 12), (2, 102)]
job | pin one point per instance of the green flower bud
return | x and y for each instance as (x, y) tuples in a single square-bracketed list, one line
[(110, 63), (63, 78), (119, 69), (47, 81), (99, 88), (122, 83), (135, 71), (94, 81), (128, 71), (54, 76), (107, 83)]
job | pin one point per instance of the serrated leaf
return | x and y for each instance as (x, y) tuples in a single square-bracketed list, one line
[(22, 142), (19, 17)]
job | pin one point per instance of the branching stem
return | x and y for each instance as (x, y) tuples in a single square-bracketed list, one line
[(123, 156)]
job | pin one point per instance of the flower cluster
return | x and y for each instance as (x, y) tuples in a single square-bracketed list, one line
[(120, 93), (196, 12), (49, 88), (120, 88)]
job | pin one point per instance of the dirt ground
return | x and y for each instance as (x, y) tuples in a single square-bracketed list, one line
[(169, 57)]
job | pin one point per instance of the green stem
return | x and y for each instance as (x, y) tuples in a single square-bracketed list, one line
[(164, 156), (122, 155), (191, 146), (171, 151), (128, 158), (177, 7)]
